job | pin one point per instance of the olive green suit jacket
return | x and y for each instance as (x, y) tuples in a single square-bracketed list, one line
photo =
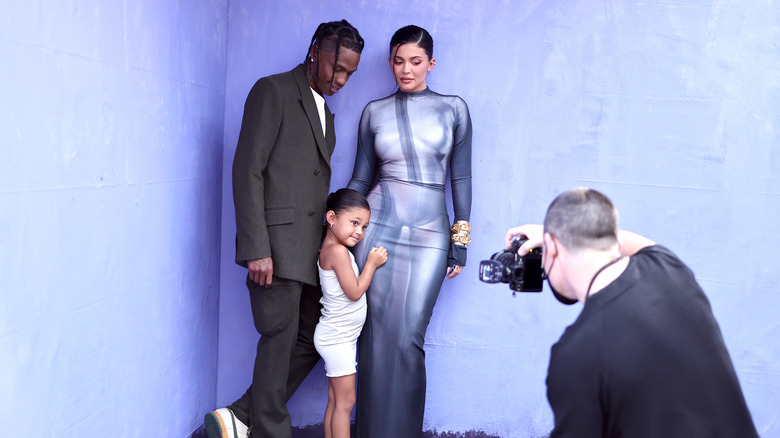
[(281, 176)]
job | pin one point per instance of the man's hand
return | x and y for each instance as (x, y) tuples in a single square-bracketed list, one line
[(261, 271), (533, 232)]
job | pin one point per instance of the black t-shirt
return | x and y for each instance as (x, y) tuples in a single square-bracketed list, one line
[(646, 358)]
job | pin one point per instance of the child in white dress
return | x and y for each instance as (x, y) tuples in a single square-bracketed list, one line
[(344, 303)]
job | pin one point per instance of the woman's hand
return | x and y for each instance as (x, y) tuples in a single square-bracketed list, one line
[(454, 271)]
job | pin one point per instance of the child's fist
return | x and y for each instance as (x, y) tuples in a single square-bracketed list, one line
[(377, 256)]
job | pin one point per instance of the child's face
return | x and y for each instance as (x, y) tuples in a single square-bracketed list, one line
[(349, 225)]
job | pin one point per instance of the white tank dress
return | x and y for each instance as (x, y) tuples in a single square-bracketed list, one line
[(335, 337)]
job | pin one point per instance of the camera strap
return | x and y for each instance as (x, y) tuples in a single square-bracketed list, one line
[(587, 293)]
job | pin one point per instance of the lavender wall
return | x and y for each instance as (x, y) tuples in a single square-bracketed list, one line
[(111, 123), (669, 107)]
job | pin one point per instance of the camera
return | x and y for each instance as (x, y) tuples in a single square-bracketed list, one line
[(524, 274)]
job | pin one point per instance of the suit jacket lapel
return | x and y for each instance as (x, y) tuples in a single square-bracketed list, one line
[(310, 108)]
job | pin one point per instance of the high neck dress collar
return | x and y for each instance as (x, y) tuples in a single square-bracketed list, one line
[(420, 93)]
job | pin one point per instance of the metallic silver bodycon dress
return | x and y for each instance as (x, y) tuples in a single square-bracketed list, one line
[(407, 144)]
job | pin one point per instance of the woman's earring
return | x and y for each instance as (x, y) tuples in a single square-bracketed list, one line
[(331, 225)]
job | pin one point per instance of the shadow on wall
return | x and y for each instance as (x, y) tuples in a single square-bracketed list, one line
[(315, 431)]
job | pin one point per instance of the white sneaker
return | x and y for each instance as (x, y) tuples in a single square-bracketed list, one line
[(223, 424)]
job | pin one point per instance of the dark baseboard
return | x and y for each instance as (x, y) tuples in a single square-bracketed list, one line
[(315, 431), (200, 432)]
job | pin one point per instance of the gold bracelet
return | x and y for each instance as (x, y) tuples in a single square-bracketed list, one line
[(460, 233), (460, 240), (461, 226)]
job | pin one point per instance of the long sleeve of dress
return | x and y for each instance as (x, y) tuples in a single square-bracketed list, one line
[(460, 165), (460, 176), (364, 173)]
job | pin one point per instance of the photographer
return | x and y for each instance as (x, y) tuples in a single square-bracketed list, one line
[(645, 357)]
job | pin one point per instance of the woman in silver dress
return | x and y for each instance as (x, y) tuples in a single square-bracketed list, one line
[(407, 144)]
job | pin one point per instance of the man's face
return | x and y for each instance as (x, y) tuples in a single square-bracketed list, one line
[(331, 75)]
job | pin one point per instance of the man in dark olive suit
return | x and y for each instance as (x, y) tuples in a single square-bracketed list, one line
[(281, 180)]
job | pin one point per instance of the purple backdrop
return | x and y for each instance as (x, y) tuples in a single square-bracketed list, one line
[(668, 108)]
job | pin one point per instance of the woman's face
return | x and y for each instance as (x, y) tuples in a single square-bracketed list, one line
[(410, 64)]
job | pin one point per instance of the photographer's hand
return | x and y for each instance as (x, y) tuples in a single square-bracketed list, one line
[(533, 232)]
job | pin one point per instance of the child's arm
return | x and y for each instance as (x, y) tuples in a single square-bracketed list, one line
[(336, 257)]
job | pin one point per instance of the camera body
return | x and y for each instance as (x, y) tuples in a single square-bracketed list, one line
[(523, 274)]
